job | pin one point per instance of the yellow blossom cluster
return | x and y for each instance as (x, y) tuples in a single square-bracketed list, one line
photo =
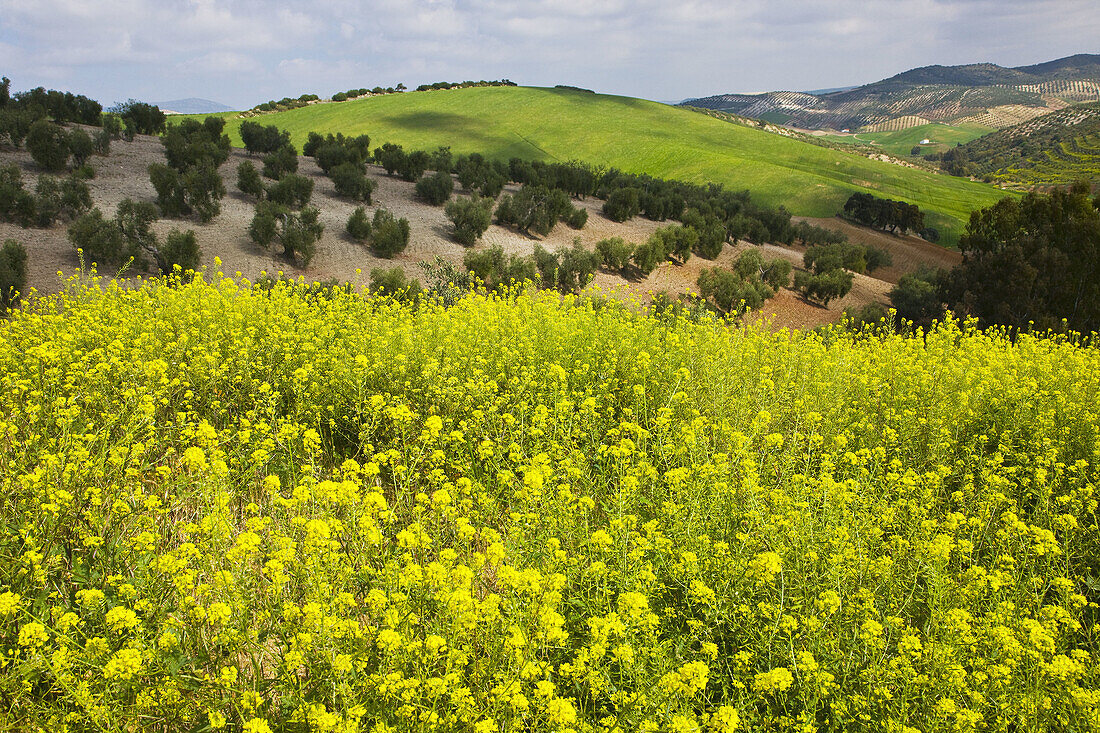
[(244, 509)]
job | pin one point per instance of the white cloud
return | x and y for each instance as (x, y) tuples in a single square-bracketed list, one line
[(244, 51)]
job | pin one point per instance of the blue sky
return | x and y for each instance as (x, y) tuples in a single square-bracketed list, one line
[(241, 52)]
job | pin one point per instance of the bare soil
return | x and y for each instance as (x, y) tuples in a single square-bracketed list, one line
[(123, 174)]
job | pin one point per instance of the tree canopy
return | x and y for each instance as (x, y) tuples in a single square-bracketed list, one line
[(1031, 263)]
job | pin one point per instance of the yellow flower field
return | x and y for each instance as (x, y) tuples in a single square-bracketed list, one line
[(228, 508)]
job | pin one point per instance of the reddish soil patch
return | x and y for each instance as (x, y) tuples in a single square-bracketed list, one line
[(909, 251)]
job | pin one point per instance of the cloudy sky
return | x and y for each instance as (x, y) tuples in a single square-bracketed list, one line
[(241, 52)]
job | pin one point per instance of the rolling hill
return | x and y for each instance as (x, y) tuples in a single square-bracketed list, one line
[(637, 136), (1053, 150), (981, 94)]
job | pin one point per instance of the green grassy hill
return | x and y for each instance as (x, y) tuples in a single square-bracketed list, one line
[(900, 143), (637, 136)]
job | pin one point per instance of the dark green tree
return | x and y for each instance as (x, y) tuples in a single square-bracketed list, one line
[(350, 181), (280, 162), (1032, 263), (81, 146), (389, 235), (248, 180), (259, 138), (392, 282), (100, 239), (179, 249), (622, 204), (292, 191), (48, 144), (471, 218), (917, 297), (13, 272), (436, 188), (359, 226)]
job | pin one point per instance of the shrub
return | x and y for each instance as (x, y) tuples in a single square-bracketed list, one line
[(102, 142), (13, 273), (248, 180), (297, 233), (337, 149), (622, 204), (576, 266), (65, 198), (494, 269), (391, 157), (15, 124), (775, 273), (259, 138), (16, 204), (476, 174), (414, 165), (135, 220), (171, 193), (441, 160), (140, 118), (280, 162), (48, 145), (112, 125), (389, 235), (292, 191), (870, 316), (824, 287), (917, 297), (730, 291), (47, 201), (300, 234), (193, 144), (568, 269), (313, 142), (203, 189), (534, 208), (264, 227), (81, 146), (712, 237), (547, 265), (358, 226), (471, 218), (100, 239), (445, 281), (436, 188), (350, 181), (648, 255), (182, 249), (393, 282), (931, 234), (876, 258), (676, 241), (576, 217), (615, 253)]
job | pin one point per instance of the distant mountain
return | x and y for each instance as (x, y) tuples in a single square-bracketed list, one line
[(980, 93), (830, 90), (193, 106)]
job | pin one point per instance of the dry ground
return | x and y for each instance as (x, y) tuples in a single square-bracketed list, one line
[(124, 174)]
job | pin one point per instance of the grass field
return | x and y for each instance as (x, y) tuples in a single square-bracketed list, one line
[(636, 136), (231, 508), (899, 143)]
